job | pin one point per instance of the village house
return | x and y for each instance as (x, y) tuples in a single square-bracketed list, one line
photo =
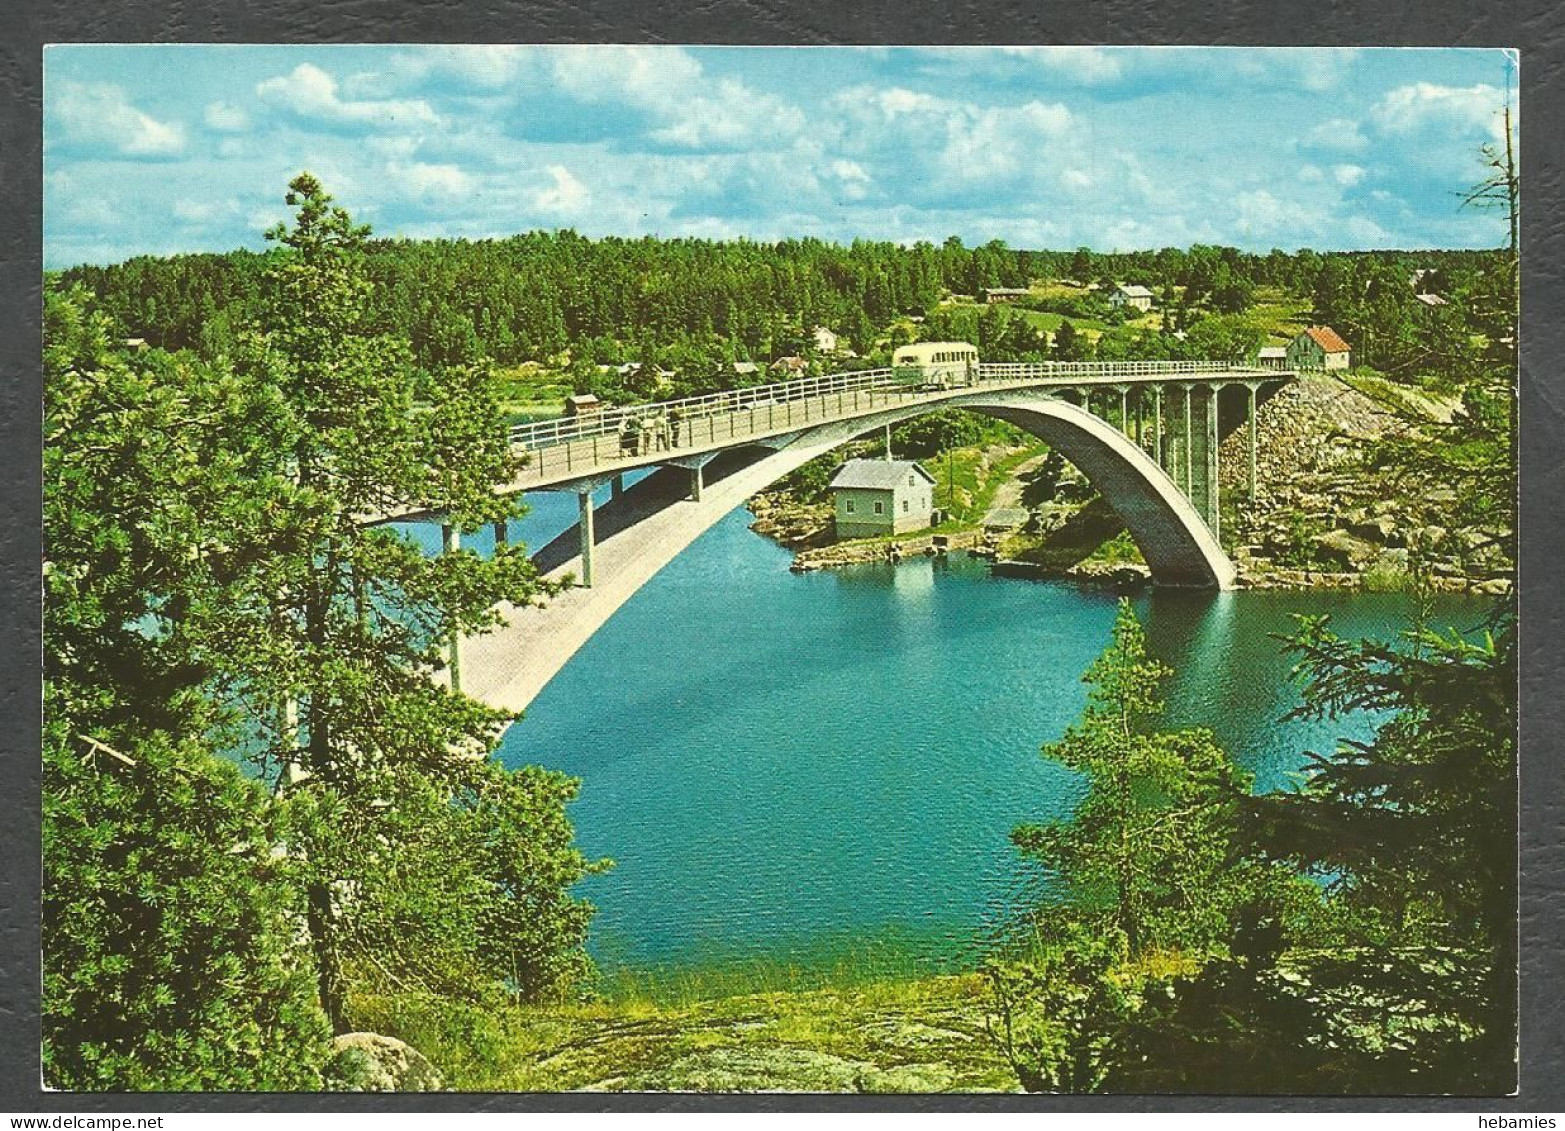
[(1004, 294), (877, 496), (1133, 295), (583, 404), (825, 340), (1319, 347), (746, 368), (790, 366)]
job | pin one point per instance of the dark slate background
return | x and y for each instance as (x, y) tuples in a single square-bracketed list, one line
[(1536, 27)]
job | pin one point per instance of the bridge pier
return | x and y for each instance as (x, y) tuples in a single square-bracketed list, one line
[(450, 543), (1189, 479), (1157, 427), (1213, 491), (617, 486), (584, 502), (501, 534), (695, 483), (1252, 437)]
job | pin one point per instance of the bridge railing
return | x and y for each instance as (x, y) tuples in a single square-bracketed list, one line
[(685, 410), (545, 433)]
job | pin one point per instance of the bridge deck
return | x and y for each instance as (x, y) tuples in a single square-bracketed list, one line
[(573, 450)]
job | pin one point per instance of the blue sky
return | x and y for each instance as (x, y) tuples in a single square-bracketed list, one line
[(162, 149)]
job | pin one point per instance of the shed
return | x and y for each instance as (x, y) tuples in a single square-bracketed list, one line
[(877, 496), (1272, 357), (583, 404)]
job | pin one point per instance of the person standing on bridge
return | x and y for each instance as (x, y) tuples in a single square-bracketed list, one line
[(673, 426)]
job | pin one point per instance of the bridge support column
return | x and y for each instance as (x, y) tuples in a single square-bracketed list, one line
[(888, 443), (450, 543), (1189, 449), (1124, 410), (584, 500), (1213, 491), (695, 483), (1252, 437), (1157, 427), (617, 486), (501, 533)]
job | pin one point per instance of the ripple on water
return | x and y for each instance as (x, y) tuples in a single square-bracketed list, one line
[(777, 759)]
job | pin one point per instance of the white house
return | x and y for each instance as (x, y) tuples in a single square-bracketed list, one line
[(825, 340), (878, 496), (1319, 347), (1272, 357), (1131, 294)]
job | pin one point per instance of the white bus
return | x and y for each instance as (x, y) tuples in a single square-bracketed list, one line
[(943, 364)]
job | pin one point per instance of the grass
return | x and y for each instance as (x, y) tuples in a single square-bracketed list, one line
[(858, 1033)]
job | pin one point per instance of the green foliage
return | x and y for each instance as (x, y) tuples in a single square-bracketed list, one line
[(170, 924), (1416, 832), (210, 585), (1146, 853), (1059, 1015)]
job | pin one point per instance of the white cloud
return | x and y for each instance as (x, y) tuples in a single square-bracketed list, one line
[(98, 114), (1367, 233), (736, 116), (483, 66), (203, 212), (1311, 174), (311, 93), (225, 117), (1424, 105), (1075, 179), (419, 179), (1340, 134), (1084, 64), (1347, 175), (655, 77), (566, 195)]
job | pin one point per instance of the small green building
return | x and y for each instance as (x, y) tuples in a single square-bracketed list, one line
[(877, 496)]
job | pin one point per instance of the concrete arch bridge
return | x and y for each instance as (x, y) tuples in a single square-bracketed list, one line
[(1146, 434)]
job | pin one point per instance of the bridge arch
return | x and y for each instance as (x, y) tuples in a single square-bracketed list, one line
[(642, 530)]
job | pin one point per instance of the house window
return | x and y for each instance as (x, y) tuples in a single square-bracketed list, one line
[(847, 505), (880, 507), (904, 506), (911, 482)]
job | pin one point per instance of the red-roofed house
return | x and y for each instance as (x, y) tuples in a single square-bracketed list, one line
[(1319, 347)]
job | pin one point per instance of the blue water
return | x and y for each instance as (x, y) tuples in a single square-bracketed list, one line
[(776, 761)]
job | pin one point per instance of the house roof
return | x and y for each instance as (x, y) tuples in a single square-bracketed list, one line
[(876, 474), (1327, 339), (1430, 300), (1133, 290), (745, 367)]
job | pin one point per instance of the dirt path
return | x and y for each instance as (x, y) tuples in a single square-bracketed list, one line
[(1006, 509)]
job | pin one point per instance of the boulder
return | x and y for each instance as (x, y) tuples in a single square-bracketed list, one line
[(369, 1062)]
